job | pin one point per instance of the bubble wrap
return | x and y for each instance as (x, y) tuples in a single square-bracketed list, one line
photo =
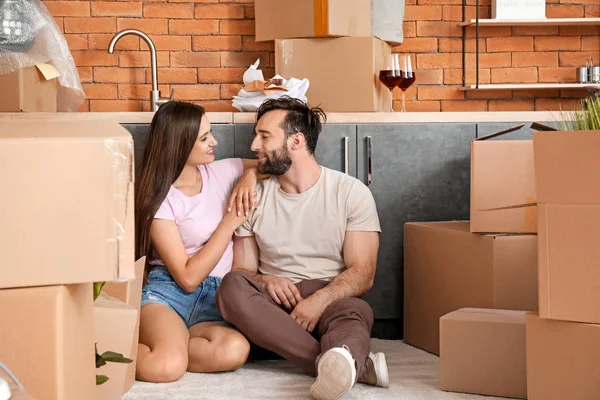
[(33, 39)]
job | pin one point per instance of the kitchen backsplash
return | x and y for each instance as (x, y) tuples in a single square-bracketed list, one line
[(205, 46)]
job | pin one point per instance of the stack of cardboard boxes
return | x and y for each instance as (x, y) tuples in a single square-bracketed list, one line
[(467, 290), (330, 42), (66, 215)]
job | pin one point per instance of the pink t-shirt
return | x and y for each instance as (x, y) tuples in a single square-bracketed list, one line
[(197, 217)]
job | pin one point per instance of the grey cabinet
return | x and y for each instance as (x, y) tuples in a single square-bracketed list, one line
[(336, 148), (419, 173)]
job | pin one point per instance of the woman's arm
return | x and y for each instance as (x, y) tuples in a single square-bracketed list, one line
[(243, 194), (190, 272)]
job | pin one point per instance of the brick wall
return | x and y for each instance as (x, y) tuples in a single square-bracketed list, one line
[(205, 46)]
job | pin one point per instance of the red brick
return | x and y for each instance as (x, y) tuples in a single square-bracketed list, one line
[(438, 29), (440, 93), (419, 106), (455, 13), (175, 75), (418, 45), (535, 30), (233, 27), (197, 92), (577, 59), (84, 107), (92, 58), (490, 31), (158, 10), (128, 59), (515, 75), (100, 41), (489, 94), (211, 43), (169, 42), (490, 60), (249, 44), (128, 91), (148, 26), (243, 59), (423, 13), (455, 76), (77, 41), (511, 105), (195, 59), (230, 90), (557, 75), (68, 8), (217, 106), (410, 29), (221, 75), (590, 43), (564, 11), (119, 75), (495, 45), (85, 74), (556, 104), (100, 91), (115, 105), (430, 77), (464, 105), (535, 59), (452, 45), (250, 14), (437, 61), (579, 30), (561, 43), (193, 27), (219, 11), (116, 9), (592, 11), (90, 25)]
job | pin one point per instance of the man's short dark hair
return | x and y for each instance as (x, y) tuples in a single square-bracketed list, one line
[(300, 118)]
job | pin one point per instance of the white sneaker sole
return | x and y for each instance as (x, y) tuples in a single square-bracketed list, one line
[(383, 370), (334, 377)]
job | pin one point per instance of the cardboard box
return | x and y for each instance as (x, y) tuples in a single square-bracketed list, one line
[(114, 329), (290, 19), (483, 352), (47, 340), (66, 210), (447, 268), (567, 171), (130, 293), (30, 89), (563, 360), (343, 72), (503, 185)]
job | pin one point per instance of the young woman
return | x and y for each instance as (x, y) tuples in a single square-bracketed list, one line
[(185, 231)]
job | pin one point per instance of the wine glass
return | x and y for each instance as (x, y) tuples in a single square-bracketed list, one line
[(408, 78), (391, 77)]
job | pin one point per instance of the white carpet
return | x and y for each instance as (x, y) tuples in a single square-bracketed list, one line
[(413, 376)]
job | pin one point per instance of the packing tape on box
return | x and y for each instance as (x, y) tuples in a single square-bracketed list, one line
[(321, 15)]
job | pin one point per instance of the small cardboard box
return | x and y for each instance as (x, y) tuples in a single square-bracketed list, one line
[(483, 352), (47, 340), (447, 268), (567, 168), (66, 210), (563, 360), (130, 293), (31, 89), (114, 329), (291, 19), (343, 72), (503, 185)]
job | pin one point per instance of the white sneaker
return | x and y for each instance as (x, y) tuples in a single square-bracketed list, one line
[(376, 371), (336, 374)]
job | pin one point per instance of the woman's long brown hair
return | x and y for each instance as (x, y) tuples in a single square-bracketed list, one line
[(173, 131)]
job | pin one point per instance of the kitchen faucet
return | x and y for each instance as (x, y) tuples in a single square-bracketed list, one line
[(155, 99)]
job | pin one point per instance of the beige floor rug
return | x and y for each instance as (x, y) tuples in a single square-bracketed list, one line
[(413, 376)]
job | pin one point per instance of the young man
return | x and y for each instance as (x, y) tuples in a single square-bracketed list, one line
[(305, 256)]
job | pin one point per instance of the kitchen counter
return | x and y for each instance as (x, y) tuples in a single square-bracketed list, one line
[(332, 118)]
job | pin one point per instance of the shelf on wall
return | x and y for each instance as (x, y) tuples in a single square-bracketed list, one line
[(526, 86), (528, 22)]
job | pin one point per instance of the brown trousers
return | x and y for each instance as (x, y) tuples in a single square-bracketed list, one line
[(244, 302)]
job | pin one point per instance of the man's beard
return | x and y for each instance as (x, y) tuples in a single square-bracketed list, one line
[(276, 162)]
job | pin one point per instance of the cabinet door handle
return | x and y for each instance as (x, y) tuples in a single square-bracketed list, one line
[(369, 160), (346, 155)]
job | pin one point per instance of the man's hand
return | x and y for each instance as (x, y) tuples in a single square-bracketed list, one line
[(282, 290), (309, 311)]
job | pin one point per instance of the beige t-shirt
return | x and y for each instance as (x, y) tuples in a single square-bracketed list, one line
[(301, 236)]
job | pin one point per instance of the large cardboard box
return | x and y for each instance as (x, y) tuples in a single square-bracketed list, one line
[(114, 329), (343, 72), (447, 268), (290, 19), (31, 89), (483, 352), (66, 210), (503, 185), (130, 293), (47, 340), (563, 360), (567, 167)]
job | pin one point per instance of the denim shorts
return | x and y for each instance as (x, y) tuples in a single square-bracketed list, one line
[(193, 308)]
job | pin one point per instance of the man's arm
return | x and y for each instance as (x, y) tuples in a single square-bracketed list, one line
[(360, 257), (245, 255)]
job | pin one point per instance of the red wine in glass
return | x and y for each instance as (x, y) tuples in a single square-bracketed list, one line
[(390, 78), (407, 81)]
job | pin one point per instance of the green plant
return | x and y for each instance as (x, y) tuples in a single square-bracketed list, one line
[(107, 356), (586, 119)]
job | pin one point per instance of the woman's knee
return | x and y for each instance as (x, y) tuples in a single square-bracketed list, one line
[(162, 366), (233, 351)]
